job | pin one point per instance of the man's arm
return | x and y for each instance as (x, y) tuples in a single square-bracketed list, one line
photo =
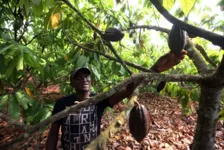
[(164, 63), (124, 93), (53, 136)]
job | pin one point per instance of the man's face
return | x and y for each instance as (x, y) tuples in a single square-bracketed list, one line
[(81, 81)]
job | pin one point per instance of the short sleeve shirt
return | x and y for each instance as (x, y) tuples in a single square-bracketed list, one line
[(79, 129)]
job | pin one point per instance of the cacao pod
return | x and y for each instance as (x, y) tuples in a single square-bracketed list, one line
[(139, 122), (176, 40), (113, 35)]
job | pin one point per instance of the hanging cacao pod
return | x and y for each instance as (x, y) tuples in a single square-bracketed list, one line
[(139, 122), (176, 39), (113, 35)]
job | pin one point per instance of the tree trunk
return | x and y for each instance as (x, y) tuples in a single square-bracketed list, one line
[(208, 115)]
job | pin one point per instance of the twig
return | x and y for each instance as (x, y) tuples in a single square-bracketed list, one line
[(216, 39), (204, 54), (35, 36), (196, 58), (157, 28), (118, 57), (24, 30)]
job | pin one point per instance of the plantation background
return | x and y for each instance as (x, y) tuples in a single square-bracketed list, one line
[(41, 41)]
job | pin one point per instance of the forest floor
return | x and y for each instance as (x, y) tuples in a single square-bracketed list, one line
[(170, 129)]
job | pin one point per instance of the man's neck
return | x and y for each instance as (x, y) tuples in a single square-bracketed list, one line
[(82, 95)]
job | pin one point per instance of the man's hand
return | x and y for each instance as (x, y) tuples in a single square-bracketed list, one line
[(168, 60)]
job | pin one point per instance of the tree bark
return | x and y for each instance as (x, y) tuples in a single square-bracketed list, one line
[(208, 115)]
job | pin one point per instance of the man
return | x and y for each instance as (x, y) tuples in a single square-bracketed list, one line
[(79, 129)]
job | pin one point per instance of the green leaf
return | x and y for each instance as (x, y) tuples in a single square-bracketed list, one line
[(23, 99), (37, 9), (184, 101), (174, 90), (115, 68), (110, 3), (186, 5), (19, 65), (122, 70), (82, 61), (36, 105), (13, 107), (95, 72), (21, 3), (29, 119), (76, 55), (27, 8), (36, 2), (11, 66), (47, 20), (6, 36), (49, 3), (41, 115), (32, 61), (76, 3), (168, 4), (221, 113), (222, 118), (3, 101), (6, 48)]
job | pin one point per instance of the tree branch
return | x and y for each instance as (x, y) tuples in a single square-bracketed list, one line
[(35, 36), (197, 59), (204, 54), (216, 39), (199, 63), (118, 57), (110, 57), (157, 28), (12, 121), (90, 24), (95, 99), (115, 89)]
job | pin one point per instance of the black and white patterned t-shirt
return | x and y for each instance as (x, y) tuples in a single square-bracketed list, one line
[(79, 129)]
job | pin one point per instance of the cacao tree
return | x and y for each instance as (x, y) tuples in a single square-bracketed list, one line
[(42, 40)]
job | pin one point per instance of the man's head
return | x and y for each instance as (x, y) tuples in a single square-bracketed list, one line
[(80, 79)]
